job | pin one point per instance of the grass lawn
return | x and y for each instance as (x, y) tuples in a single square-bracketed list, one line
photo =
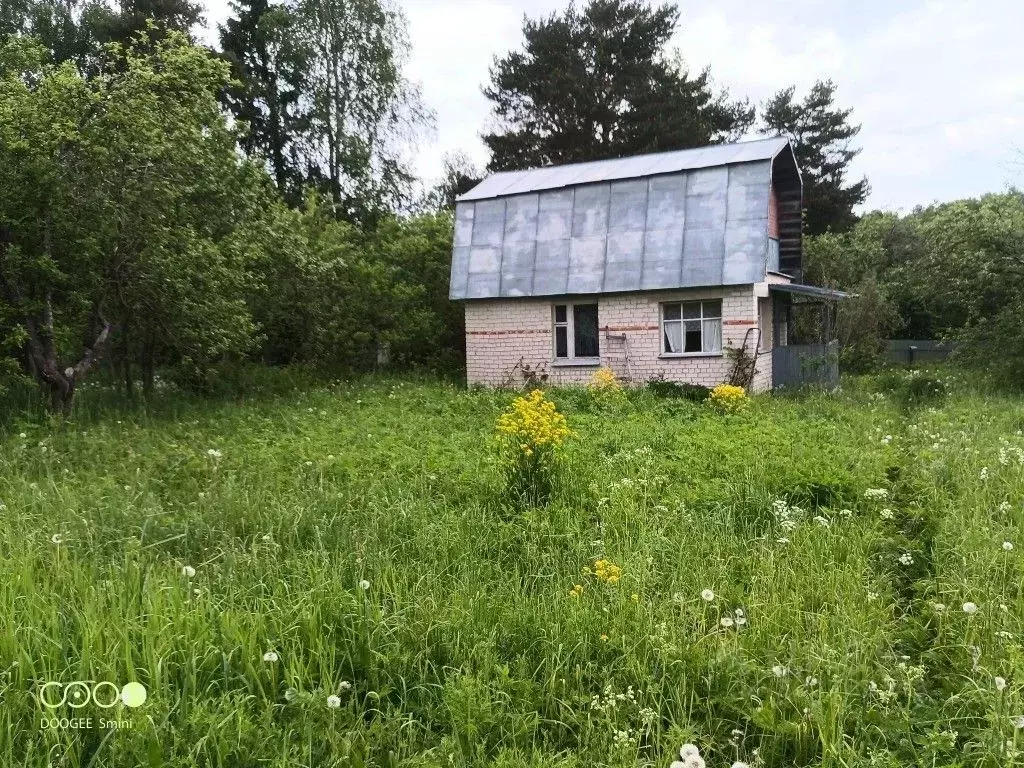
[(331, 576)]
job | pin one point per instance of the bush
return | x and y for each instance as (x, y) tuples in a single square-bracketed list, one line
[(674, 389), (532, 430)]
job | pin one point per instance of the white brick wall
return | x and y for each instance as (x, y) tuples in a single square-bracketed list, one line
[(502, 334)]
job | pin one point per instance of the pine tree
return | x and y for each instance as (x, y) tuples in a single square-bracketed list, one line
[(821, 134), (598, 83), (268, 68)]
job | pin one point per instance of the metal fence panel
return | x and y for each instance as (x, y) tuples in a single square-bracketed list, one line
[(801, 364)]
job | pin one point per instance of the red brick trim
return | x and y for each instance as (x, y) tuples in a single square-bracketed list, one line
[(739, 322), (516, 332)]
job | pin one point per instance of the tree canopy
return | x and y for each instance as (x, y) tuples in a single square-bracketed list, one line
[(598, 82)]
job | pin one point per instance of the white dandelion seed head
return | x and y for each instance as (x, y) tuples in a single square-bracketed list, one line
[(270, 656), (57, 539), (740, 764), (1018, 722), (970, 608), (1008, 545), (333, 702), (779, 671), (688, 750), (290, 694), (364, 584), (188, 571), (677, 764), (1000, 683), (726, 622), (707, 595), (939, 607), (344, 685), (694, 761)]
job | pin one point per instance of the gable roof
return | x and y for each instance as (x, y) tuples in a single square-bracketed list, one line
[(686, 219), (507, 183)]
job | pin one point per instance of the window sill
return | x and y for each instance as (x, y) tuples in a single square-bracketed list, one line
[(576, 362), (686, 355)]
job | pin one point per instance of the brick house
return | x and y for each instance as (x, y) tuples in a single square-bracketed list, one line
[(651, 265)]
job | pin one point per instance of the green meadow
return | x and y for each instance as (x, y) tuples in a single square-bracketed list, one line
[(334, 575)]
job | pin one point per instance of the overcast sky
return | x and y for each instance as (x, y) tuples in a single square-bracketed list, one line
[(937, 85)]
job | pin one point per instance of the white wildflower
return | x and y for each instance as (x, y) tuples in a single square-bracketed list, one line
[(707, 595), (887, 514), (1018, 722), (1008, 545), (984, 473), (57, 539), (726, 622), (270, 656), (906, 559), (939, 607), (876, 494), (970, 608), (364, 584), (779, 671), (188, 571), (213, 453), (333, 702), (344, 685), (1000, 683), (290, 694)]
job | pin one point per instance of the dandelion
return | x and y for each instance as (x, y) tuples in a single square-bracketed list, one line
[(1000, 683), (740, 764), (604, 638), (23, 436), (779, 671), (333, 702), (707, 595), (726, 622), (270, 657), (290, 694), (970, 608), (688, 750), (1008, 546), (810, 681), (344, 685), (57, 539), (1018, 722), (364, 585), (939, 607)]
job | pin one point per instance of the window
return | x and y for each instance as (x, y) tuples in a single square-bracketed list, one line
[(690, 327), (576, 331)]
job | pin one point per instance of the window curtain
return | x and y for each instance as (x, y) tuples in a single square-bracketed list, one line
[(712, 335), (673, 337)]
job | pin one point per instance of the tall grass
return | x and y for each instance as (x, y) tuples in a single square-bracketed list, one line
[(357, 536)]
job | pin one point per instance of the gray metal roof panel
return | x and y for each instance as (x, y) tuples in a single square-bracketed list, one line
[(556, 176)]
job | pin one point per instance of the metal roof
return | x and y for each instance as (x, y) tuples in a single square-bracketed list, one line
[(685, 219), (810, 290), (639, 166)]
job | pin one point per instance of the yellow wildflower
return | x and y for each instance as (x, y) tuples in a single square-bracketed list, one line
[(728, 399), (604, 380), (607, 571), (533, 422), (576, 590), (604, 638), (635, 597)]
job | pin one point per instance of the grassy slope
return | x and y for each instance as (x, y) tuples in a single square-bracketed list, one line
[(466, 648)]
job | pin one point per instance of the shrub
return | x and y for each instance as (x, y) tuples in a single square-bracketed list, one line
[(674, 389), (604, 380), (728, 399), (531, 429)]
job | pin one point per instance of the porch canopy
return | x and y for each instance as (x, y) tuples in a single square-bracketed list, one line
[(814, 291)]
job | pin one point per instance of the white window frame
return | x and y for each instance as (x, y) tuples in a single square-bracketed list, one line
[(570, 333), (682, 327)]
